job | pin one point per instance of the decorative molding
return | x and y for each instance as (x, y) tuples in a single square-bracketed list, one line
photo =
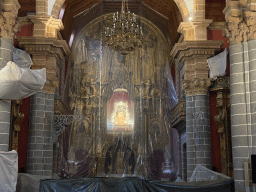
[(60, 108), (46, 47), (25, 21), (241, 23), (50, 86), (47, 20), (196, 86), (195, 30), (9, 24), (16, 119), (217, 26), (178, 115), (190, 48), (221, 86)]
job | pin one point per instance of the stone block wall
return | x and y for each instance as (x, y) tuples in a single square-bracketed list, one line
[(6, 52), (243, 107), (191, 153), (198, 132), (40, 148)]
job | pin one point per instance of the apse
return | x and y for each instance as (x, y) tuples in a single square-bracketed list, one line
[(121, 103)]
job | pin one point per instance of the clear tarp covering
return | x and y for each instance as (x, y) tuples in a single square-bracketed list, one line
[(203, 174), (17, 82), (8, 171), (123, 105)]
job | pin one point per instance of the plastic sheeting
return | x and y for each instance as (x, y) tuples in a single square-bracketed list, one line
[(8, 171), (124, 103), (203, 174), (22, 58), (218, 64), (132, 185), (18, 83), (30, 183)]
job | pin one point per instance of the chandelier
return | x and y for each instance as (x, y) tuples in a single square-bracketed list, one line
[(124, 33)]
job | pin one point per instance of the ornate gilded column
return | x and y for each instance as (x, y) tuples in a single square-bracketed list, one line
[(46, 49), (221, 86), (193, 55), (9, 25), (240, 31)]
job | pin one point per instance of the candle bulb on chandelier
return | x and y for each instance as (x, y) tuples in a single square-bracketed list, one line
[(114, 18), (107, 31), (128, 15), (126, 26), (122, 26)]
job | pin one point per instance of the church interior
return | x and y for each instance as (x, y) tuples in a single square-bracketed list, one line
[(161, 90)]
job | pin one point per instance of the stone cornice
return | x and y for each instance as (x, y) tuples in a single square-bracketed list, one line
[(49, 47), (191, 48), (47, 20), (45, 45), (217, 26), (196, 86), (192, 29), (25, 21)]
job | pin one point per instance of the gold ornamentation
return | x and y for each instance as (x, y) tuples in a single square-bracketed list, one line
[(221, 86), (16, 119), (178, 114)]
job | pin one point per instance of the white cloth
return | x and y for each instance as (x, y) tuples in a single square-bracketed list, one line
[(8, 171), (18, 83), (22, 58), (218, 64)]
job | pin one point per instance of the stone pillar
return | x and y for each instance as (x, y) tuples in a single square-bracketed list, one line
[(240, 30), (8, 27), (40, 149), (194, 54), (46, 51), (197, 124)]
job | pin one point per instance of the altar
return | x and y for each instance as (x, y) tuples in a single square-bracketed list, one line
[(121, 104)]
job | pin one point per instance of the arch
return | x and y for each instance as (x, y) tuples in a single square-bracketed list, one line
[(181, 4), (56, 8)]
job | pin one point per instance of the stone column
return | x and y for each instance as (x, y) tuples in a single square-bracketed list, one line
[(46, 51), (8, 27), (194, 54), (240, 30)]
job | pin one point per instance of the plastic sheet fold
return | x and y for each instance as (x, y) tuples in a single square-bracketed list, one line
[(201, 173), (133, 185), (8, 171), (22, 58), (18, 83)]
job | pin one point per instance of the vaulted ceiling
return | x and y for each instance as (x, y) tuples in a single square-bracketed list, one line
[(163, 13)]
